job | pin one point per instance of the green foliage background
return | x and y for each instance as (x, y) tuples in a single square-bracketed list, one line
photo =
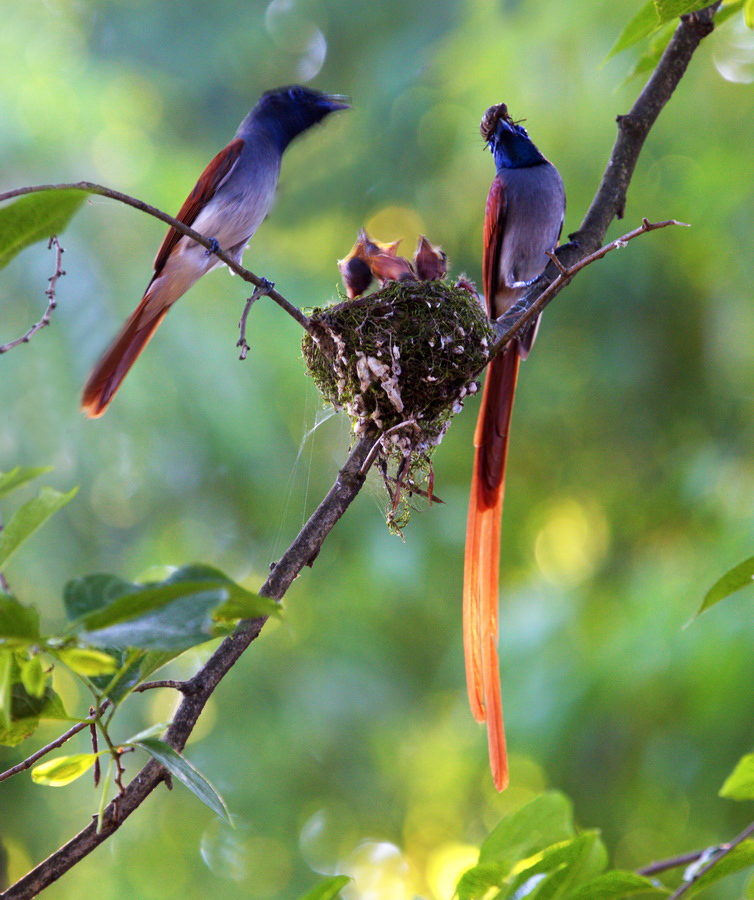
[(342, 741)]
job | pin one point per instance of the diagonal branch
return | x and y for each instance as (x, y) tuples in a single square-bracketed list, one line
[(721, 854), (522, 313), (53, 745), (90, 188), (198, 690), (610, 200)]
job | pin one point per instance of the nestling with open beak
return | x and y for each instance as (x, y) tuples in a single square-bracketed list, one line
[(430, 262)]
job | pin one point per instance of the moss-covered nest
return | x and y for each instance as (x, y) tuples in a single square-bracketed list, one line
[(402, 358)]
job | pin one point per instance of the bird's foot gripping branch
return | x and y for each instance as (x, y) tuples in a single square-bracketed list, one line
[(402, 359)]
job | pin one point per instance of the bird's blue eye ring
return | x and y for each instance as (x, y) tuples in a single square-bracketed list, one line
[(296, 94)]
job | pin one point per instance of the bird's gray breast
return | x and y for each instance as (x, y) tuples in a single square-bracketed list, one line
[(243, 198), (534, 210)]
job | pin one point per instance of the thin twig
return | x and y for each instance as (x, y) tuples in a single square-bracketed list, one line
[(259, 292), (516, 320), (51, 299), (674, 862), (53, 745), (95, 748), (167, 683), (724, 851), (90, 187)]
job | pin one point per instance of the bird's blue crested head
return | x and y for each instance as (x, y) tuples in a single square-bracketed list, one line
[(509, 141), (288, 111)]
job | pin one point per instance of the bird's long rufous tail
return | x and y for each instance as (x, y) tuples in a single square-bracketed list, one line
[(481, 562), (121, 355)]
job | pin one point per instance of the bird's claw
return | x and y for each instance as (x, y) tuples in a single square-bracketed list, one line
[(265, 287), (213, 248)]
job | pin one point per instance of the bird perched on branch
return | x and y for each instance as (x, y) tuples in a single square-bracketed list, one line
[(228, 204), (523, 221)]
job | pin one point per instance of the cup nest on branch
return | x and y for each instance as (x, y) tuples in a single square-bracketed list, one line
[(401, 360)]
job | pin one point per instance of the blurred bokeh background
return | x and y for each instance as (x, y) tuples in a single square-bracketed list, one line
[(342, 741)]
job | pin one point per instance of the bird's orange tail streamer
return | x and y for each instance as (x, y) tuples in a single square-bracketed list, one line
[(481, 563), (121, 355)]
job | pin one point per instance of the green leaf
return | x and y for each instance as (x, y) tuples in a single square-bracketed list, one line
[(674, 9), (327, 890), (33, 677), (180, 768), (616, 885), (28, 518), (730, 9), (749, 13), (150, 599), (19, 624), (154, 660), (738, 577), (126, 677), (171, 616), (739, 858), (477, 881), (64, 769), (35, 218), (10, 481), (641, 25), (94, 592), (739, 785), (570, 863), (246, 605), (543, 821), (26, 710), (150, 732), (86, 661), (649, 59)]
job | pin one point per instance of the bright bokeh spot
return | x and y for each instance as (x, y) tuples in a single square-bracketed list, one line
[(445, 866), (395, 222), (379, 870), (572, 542)]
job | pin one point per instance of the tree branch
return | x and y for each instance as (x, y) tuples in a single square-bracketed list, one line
[(53, 745), (91, 188), (515, 321), (51, 300), (610, 200), (198, 690), (723, 852)]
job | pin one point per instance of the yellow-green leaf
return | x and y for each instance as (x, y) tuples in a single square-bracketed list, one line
[(63, 770), (28, 518), (35, 218), (739, 785), (87, 662)]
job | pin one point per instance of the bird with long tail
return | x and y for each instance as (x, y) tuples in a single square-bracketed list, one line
[(522, 223), (228, 204)]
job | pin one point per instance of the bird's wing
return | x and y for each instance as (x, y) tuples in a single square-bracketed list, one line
[(205, 189), (494, 226)]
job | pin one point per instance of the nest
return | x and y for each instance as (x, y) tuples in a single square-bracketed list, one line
[(401, 360)]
